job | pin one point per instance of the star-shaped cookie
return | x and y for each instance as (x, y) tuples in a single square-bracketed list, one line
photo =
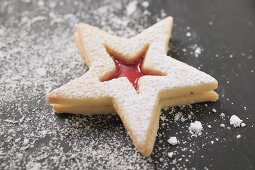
[(134, 78)]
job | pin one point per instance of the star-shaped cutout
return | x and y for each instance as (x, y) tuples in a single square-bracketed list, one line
[(132, 71), (139, 112)]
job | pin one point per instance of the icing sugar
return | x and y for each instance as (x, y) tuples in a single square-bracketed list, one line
[(196, 128), (131, 7), (170, 154), (235, 121), (222, 125), (145, 4), (173, 141)]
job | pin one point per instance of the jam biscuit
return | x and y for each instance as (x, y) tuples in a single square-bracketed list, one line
[(134, 78)]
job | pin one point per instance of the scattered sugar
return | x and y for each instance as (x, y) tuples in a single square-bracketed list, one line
[(162, 13), (170, 154), (188, 34), (177, 116), (145, 4), (131, 7), (197, 51), (222, 125), (196, 128), (40, 3), (214, 110), (222, 115), (189, 116), (243, 124), (26, 1), (183, 119), (26, 141), (173, 141), (249, 57), (33, 166), (235, 121), (238, 136)]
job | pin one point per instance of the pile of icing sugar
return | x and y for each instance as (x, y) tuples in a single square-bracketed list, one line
[(196, 128), (236, 121)]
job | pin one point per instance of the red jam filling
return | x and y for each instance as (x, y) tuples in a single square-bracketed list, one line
[(131, 71)]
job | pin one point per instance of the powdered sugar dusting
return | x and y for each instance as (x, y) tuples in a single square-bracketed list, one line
[(39, 55)]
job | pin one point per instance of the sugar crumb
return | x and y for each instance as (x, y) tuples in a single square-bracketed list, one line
[(145, 4), (222, 125), (188, 34), (235, 121), (131, 7), (173, 141), (243, 124), (170, 154), (196, 128), (222, 115)]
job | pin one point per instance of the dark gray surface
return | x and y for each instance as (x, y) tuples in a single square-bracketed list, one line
[(100, 142)]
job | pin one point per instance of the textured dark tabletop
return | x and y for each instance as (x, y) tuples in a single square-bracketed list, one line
[(37, 54)]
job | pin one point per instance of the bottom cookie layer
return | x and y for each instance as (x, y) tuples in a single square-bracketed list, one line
[(85, 110)]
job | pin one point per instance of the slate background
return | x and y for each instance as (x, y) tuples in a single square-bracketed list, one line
[(232, 32)]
